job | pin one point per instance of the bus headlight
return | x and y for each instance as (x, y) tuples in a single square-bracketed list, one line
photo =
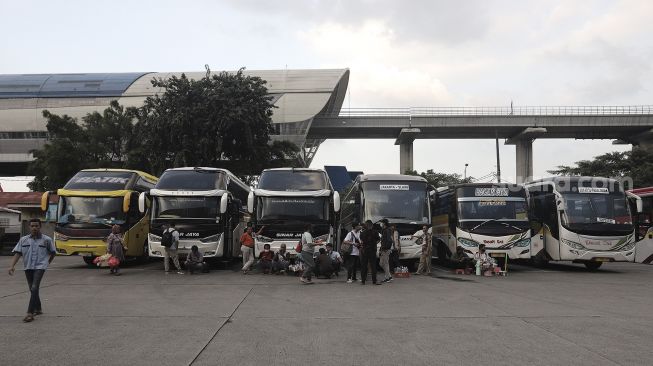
[(152, 237), (523, 243), (628, 246), (573, 244), (60, 236), (211, 238), (264, 239), (323, 238), (467, 242)]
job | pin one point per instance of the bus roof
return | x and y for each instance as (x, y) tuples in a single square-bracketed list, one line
[(390, 177), (297, 169), (570, 178), (139, 172)]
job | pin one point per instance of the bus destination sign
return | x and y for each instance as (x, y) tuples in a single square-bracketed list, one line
[(394, 187), (491, 192)]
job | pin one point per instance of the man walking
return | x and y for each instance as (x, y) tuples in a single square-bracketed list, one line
[(424, 237), (170, 250), (38, 251), (386, 249), (369, 238)]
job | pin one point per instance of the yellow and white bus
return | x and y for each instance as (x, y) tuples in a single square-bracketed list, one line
[(91, 203)]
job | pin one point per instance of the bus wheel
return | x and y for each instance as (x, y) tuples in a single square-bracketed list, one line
[(592, 266), (443, 253), (145, 255), (89, 260)]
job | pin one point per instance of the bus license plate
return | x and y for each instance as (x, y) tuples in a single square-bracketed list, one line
[(602, 259), (86, 254), (500, 255)]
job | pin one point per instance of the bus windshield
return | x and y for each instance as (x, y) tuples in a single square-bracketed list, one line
[(596, 210), (192, 180), (299, 208), (399, 202), (97, 210), (185, 207), (501, 208), (293, 180)]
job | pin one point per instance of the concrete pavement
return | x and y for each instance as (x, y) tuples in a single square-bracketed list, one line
[(559, 316)]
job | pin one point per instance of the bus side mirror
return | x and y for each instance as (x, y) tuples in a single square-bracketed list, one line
[(224, 201), (141, 202), (125, 202), (336, 201), (45, 201), (250, 202)]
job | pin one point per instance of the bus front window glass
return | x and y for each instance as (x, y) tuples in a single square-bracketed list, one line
[(301, 208), (397, 205), (103, 210), (608, 209), (186, 207), (493, 209)]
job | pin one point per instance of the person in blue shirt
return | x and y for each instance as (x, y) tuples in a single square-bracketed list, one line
[(38, 251)]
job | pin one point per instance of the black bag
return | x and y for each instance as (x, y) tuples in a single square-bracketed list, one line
[(346, 248), (167, 239)]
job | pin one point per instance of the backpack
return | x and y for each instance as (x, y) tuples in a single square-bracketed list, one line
[(167, 239)]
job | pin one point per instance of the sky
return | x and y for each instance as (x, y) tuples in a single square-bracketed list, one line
[(419, 53)]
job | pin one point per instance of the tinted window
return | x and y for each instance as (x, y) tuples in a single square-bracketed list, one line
[(302, 208), (289, 180), (186, 207), (192, 180), (399, 202), (99, 181)]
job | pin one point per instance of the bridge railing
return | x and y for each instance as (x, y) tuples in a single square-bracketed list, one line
[(496, 111)]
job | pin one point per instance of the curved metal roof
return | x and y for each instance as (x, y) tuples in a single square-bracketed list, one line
[(66, 85)]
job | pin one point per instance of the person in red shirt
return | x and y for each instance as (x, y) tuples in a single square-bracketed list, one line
[(247, 247)]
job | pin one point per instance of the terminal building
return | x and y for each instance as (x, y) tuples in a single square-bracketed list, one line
[(298, 95)]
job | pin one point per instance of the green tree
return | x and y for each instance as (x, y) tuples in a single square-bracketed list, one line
[(221, 120), (100, 141), (441, 179), (636, 164)]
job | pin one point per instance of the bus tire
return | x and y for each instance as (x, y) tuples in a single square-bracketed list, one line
[(145, 255), (89, 261), (540, 260), (443, 252), (592, 266)]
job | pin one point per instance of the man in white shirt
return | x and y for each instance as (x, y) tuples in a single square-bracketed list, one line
[(353, 259), (424, 236), (336, 258)]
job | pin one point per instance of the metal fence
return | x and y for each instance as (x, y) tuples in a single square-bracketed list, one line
[(496, 111)]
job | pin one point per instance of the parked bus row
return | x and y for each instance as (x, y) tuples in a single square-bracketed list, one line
[(578, 219)]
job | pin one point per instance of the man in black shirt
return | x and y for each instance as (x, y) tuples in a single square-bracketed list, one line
[(369, 238)]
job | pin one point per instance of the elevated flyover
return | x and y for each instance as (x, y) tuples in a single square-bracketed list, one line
[(519, 126)]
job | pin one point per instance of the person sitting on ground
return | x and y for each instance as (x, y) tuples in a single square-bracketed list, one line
[(324, 264), (461, 260), (265, 259), (487, 263), (336, 259), (281, 260), (195, 261)]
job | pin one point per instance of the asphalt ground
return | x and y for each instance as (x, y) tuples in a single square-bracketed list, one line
[(562, 315)]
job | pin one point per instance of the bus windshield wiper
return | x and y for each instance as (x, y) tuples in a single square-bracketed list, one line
[(512, 226), (482, 223), (395, 217)]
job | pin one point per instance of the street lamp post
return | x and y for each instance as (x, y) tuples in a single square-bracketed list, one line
[(465, 176)]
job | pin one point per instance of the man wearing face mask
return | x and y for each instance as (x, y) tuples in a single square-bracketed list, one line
[(386, 246)]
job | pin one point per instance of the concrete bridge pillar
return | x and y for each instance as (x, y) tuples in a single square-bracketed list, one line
[(524, 155), (405, 142)]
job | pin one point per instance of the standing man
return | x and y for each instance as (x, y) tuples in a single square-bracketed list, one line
[(386, 248), (352, 260), (171, 236), (369, 238), (396, 248), (425, 259), (38, 251), (247, 248)]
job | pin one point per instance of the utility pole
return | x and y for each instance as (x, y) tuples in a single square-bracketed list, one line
[(498, 159)]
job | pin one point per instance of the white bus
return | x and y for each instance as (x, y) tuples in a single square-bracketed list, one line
[(494, 214), (285, 200), (402, 199), (580, 219), (643, 217), (206, 204)]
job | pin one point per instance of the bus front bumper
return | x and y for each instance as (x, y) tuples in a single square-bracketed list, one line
[(595, 256), (81, 247), (213, 249)]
